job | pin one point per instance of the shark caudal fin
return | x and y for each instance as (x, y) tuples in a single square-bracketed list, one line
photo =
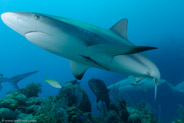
[(173, 88), (14, 80)]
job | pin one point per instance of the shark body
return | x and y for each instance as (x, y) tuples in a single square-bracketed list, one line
[(84, 45), (130, 84), (15, 79), (180, 87)]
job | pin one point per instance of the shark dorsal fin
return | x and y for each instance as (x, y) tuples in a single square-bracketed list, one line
[(78, 69), (120, 28)]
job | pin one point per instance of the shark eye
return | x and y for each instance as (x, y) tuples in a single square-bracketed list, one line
[(37, 17)]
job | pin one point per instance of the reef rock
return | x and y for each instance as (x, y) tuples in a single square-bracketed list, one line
[(72, 94), (7, 114), (13, 100), (32, 90)]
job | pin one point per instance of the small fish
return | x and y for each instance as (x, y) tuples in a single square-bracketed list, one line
[(54, 83), (99, 88)]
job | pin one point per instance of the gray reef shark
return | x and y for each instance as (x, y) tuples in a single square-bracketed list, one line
[(84, 44), (130, 84), (178, 88), (14, 80)]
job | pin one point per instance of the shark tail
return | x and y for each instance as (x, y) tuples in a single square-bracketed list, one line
[(14, 83), (172, 87), (14, 80)]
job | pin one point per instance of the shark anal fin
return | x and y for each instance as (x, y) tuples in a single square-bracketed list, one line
[(120, 28), (78, 69)]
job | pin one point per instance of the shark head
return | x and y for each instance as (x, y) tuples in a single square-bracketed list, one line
[(37, 28), (26, 23)]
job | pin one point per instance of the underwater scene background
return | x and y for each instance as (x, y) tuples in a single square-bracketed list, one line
[(158, 23)]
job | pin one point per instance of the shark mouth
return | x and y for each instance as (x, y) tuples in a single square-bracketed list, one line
[(32, 32)]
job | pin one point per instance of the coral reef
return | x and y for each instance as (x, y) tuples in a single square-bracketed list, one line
[(73, 95), (13, 100), (180, 115), (32, 90), (121, 113), (70, 105)]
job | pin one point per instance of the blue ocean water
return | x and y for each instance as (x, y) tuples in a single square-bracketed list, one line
[(158, 23)]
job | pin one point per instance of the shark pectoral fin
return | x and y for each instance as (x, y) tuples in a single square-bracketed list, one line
[(78, 69), (120, 28), (114, 50)]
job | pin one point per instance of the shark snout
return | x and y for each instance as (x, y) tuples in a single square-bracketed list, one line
[(8, 17), (16, 21)]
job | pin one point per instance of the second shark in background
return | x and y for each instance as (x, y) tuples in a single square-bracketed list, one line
[(130, 84), (14, 80)]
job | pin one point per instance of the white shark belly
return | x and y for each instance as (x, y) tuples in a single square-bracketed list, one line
[(64, 45)]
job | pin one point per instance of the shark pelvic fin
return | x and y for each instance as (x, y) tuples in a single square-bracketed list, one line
[(78, 69), (138, 79), (114, 50), (120, 28)]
